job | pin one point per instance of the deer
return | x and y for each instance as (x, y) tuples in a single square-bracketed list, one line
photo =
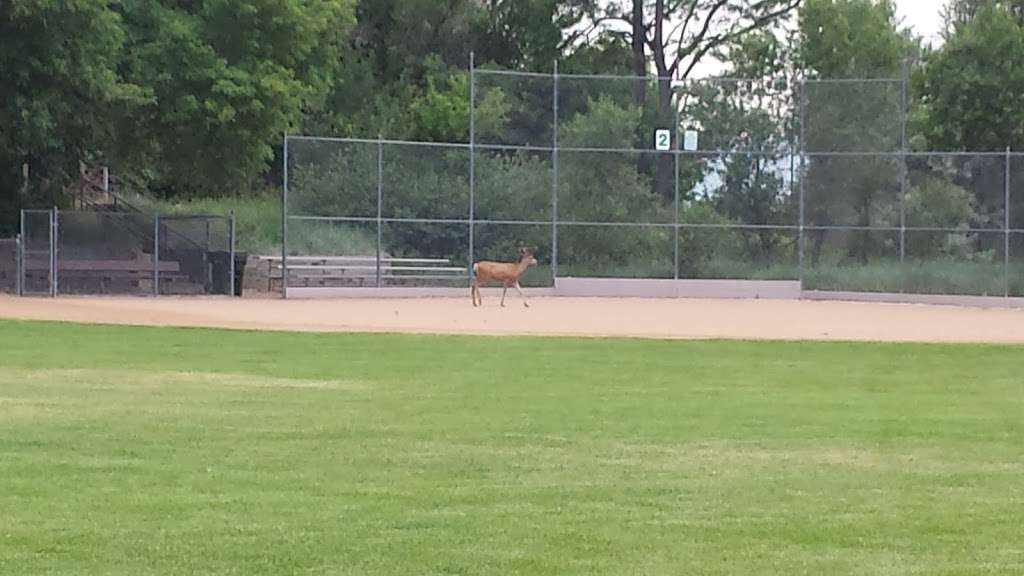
[(507, 273)]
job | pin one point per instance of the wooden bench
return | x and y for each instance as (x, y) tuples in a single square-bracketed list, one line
[(109, 275), (337, 271), (116, 266)]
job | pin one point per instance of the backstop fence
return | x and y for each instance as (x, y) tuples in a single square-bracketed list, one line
[(628, 177), (129, 253)]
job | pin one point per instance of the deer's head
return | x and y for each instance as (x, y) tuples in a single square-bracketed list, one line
[(526, 255)]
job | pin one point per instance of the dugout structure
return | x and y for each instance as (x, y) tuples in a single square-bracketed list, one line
[(93, 252)]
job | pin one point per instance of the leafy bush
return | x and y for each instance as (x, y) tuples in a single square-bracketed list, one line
[(938, 203)]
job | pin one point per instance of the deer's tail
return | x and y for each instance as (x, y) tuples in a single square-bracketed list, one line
[(475, 266)]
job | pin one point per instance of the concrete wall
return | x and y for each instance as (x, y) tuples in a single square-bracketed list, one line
[(932, 299), (656, 288), (583, 287), (399, 292)]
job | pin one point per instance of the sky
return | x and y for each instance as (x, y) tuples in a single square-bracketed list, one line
[(923, 16)]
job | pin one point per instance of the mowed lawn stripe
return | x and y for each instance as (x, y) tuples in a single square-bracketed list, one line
[(156, 451)]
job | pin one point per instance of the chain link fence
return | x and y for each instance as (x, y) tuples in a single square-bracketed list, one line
[(37, 264), (629, 177), (125, 253), (10, 248)]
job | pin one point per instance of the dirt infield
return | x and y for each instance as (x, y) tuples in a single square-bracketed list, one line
[(656, 318)]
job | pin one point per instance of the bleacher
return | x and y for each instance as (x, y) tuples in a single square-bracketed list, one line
[(362, 271)]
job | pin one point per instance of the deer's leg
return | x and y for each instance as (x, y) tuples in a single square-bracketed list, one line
[(503, 291), (474, 292), (521, 295)]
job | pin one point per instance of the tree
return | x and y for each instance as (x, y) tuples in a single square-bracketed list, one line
[(958, 13), (585, 179), (846, 39), (405, 53), (529, 34), (224, 80), (442, 113), (58, 61), (680, 34), (972, 89), (748, 123), (936, 202), (399, 36), (972, 99)]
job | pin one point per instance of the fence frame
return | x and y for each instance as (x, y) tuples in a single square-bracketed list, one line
[(229, 227), (54, 237), (54, 247), (156, 255), (17, 266), (50, 253), (799, 157)]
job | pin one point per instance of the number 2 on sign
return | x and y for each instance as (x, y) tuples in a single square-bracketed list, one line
[(662, 140)]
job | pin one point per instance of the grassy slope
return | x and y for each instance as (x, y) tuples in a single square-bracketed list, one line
[(258, 222), (157, 451)]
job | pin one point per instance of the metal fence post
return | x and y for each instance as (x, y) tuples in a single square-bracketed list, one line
[(18, 266), (284, 223), (231, 254), (24, 239), (675, 193), (792, 174), (801, 235), (156, 254), (554, 175), (54, 239), (903, 165), (380, 200), (472, 158), (1006, 227), (49, 253)]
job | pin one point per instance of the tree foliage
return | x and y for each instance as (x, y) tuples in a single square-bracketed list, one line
[(60, 85), (223, 82), (972, 90), (852, 39), (958, 13), (747, 124), (678, 36)]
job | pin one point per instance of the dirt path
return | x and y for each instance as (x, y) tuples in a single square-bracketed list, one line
[(660, 318)]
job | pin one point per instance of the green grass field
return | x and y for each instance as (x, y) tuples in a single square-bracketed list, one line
[(142, 451)]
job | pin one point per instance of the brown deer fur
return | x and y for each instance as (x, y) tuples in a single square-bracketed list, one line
[(507, 273)]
